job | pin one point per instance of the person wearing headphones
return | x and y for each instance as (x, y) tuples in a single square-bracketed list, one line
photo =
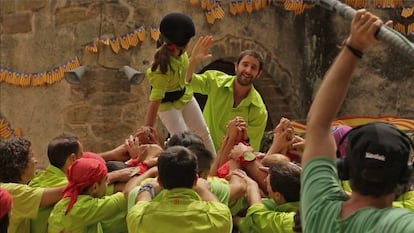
[(377, 155)]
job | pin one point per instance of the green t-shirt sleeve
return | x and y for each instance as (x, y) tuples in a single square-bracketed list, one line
[(26, 200), (221, 190), (203, 83), (260, 219)]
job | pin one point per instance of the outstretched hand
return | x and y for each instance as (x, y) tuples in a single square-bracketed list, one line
[(201, 50)]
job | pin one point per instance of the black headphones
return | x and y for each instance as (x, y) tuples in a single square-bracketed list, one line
[(342, 163)]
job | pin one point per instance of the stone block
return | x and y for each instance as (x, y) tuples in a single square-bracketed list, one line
[(17, 23)]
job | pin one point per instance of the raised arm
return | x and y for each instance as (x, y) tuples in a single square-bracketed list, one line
[(200, 52), (334, 87)]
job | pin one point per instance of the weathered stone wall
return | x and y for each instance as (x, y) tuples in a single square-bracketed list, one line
[(37, 35)]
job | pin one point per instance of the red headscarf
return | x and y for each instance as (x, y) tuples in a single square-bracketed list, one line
[(82, 174), (6, 201)]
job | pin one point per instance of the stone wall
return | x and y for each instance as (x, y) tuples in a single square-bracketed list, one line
[(37, 35)]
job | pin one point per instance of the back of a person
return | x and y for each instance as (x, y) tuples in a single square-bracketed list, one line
[(327, 219), (52, 177), (75, 220), (179, 210)]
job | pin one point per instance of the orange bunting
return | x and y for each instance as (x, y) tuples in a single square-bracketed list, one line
[(155, 33), (124, 40), (257, 4), (233, 7), (249, 6), (210, 17), (141, 33), (115, 44), (133, 39), (218, 11), (241, 7), (407, 12)]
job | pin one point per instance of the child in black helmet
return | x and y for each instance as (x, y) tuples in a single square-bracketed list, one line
[(170, 95)]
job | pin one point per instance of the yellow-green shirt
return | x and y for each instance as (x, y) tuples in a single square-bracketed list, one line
[(179, 210), (87, 214), (219, 109), (173, 80), (26, 202), (51, 177), (260, 219)]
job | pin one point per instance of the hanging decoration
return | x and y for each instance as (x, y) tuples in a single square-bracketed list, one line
[(6, 130), (155, 33), (125, 41), (41, 78)]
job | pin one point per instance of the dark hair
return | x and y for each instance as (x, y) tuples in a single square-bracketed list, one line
[(185, 139), (4, 223), (61, 147), (204, 158), (14, 158), (252, 53), (162, 56), (195, 144), (285, 178), (177, 167)]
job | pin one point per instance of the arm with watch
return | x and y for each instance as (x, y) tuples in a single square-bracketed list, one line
[(243, 157)]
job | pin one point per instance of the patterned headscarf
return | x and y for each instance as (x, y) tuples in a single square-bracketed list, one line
[(82, 174)]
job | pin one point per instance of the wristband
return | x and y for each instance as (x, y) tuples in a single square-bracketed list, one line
[(357, 53), (245, 158), (147, 188)]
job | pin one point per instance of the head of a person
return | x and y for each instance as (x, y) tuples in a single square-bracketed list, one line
[(283, 182), (271, 159), (6, 201), (249, 66), (87, 175), (176, 31), (185, 139), (177, 168), (195, 144), (17, 161), (64, 150), (378, 159), (339, 132)]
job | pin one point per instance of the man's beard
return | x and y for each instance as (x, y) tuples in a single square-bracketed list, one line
[(244, 81)]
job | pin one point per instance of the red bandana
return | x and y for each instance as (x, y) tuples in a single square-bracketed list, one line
[(6, 201), (82, 174)]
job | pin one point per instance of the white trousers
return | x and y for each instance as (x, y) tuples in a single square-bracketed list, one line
[(189, 118)]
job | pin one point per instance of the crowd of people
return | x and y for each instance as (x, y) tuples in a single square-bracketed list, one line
[(209, 175)]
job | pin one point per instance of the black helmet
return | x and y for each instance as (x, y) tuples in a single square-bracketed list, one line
[(177, 28)]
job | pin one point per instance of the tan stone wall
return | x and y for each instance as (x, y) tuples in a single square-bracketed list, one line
[(104, 109)]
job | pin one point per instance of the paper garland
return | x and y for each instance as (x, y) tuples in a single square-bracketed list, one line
[(126, 41), (42, 78), (6, 130)]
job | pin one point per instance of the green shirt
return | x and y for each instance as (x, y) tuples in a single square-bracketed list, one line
[(54, 177), (219, 109), (173, 80), (87, 214), (26, 202), (321, 205), (51, 177), (260, 219), (179, 210)]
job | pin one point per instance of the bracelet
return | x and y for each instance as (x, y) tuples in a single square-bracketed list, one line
[(147, 188), (357, 53)]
